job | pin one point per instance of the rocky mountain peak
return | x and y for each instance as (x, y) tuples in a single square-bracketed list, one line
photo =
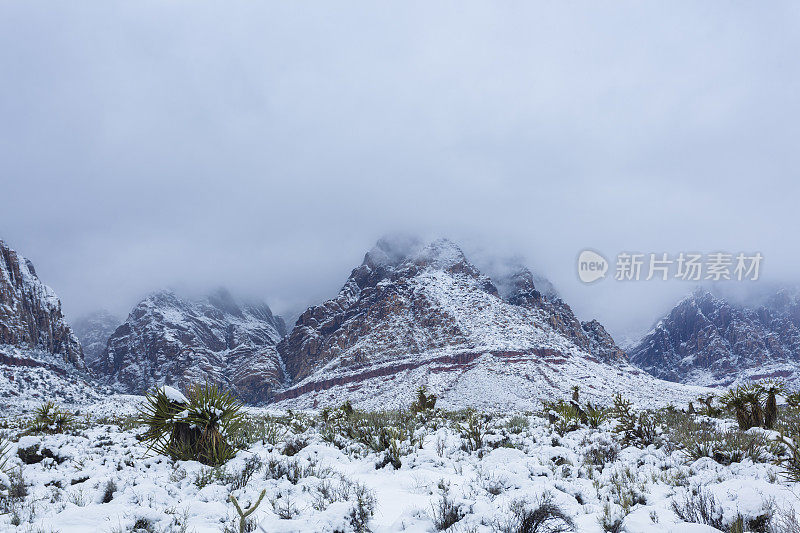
[(709, 340), (402, 309), (174, 340), (30, 312)]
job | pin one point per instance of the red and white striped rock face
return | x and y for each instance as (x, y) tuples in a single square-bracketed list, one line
[(707, 340), (30, 314), (428, 312), (166, 339)]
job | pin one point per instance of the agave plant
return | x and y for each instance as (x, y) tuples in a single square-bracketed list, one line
[(200, 426)]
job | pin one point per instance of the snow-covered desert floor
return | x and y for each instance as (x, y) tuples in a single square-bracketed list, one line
[(334, 470)]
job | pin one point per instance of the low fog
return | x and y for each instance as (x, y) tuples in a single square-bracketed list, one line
[(266, 146)]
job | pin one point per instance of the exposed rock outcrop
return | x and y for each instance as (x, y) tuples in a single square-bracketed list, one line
[(30, 314)]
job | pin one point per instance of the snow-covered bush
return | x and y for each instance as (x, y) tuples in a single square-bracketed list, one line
[(49, 418), (201, 426), (424, 401), (473, 431), (635, 428), (543, 517)]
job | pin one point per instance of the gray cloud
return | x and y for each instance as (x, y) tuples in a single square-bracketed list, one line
[(266, 146)]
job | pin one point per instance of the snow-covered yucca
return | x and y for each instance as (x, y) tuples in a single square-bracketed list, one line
[(49, 418), (201, 426)]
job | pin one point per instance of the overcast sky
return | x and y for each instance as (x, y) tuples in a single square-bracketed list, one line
[(265, 146)]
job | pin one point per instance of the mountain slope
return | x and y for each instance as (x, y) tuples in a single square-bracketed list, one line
[(30, 313), (425, 315), (706, 340), (166, 339), (93, 330), (40, 356)]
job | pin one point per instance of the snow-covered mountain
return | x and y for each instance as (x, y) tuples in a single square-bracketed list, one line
[(167, 339), (30, 314), (93, 330), (422, 314), (708, 340), (40, 356)]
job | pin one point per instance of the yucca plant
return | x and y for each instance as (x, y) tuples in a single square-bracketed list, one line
[(754, 395), (424, 401), (595, 415), (793, 399), (791, 463), (709, 408), (48, 418), (200, 426), (736, 400), (566, 417), (771, 388)]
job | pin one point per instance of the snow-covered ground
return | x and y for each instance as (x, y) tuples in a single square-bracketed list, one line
[(98, 477)]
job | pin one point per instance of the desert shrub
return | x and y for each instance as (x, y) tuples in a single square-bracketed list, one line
[(207, 476), (791, 462), (265, 429), (517, 424), (473, 431), (731, 446), (363, 508), (785, 520), (109, 490), (284, 507), (293, 469), (635, 428), (240, 479), (13, 492), (362, 500), (445, 512), (708, 408), (625, 490), (423, 401), (199, 426), (4, 456), (294, 445), (699, 507), (544, 517), (49, 418), (379, 431), (601, 453), (610, 521), (563, 416)]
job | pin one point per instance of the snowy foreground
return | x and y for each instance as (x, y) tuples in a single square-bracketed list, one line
[(97, 477)]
